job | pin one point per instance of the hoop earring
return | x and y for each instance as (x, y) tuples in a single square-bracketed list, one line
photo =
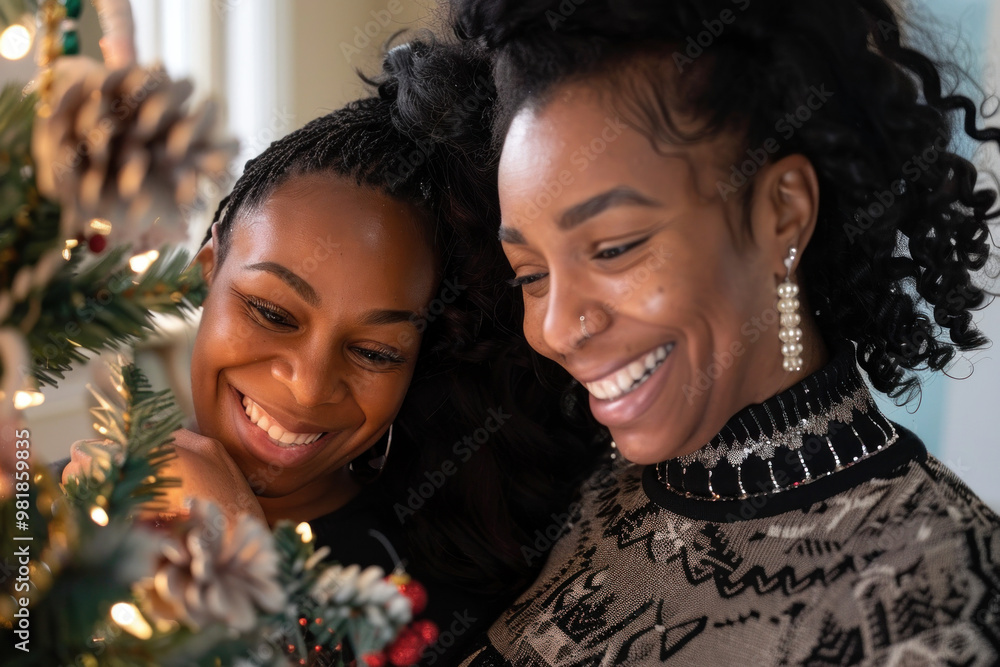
[(371, 469), (789, 332)]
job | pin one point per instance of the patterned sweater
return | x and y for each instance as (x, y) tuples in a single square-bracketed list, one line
[(811, 531)]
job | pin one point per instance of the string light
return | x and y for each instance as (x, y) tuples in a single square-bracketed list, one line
[(143, 261), (99, 516), (25, 399), (305, 531), (126, 615), (15, 42), (100, 226)]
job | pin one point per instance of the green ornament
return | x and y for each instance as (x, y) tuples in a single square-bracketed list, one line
[(71, 43), (73, 8)]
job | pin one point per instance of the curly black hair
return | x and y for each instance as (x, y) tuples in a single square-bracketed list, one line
[(424, 138), (902, 229)]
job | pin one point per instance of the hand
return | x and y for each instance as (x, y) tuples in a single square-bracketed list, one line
[(201, 464), (207, 471)]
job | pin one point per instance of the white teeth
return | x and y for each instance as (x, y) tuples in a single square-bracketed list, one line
[(630, 377), (274, 430)]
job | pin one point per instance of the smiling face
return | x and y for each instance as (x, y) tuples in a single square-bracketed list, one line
[(307, 341), (679, 300)]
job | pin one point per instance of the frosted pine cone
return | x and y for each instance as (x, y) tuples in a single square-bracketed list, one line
[(212, 574), (119, 145)]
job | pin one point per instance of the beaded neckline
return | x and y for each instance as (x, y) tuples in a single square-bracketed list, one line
[(824, 424)]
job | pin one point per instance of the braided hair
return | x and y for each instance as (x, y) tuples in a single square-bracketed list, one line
[(424, 137), (901, 230)]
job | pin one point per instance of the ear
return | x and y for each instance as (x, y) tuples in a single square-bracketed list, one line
[(785, 208), (206, 257)]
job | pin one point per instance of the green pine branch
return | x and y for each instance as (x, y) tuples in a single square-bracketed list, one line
[(141, 422), (103, 307)]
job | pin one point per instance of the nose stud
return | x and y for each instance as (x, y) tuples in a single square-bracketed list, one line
[(583, 327)]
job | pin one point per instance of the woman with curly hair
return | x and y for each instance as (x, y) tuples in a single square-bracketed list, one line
[(723, 217)]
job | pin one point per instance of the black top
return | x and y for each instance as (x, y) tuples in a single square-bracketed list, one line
[(809, 531), (366, 532)]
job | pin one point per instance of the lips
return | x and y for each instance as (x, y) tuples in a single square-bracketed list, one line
[(622, 396), (629, 377), (280, 435)]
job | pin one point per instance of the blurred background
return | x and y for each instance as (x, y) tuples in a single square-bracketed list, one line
[(273, 65)]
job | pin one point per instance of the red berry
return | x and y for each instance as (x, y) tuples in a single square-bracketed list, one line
[(97, 243), (406, 649), (427, 630), (417, 594), (374, 659)]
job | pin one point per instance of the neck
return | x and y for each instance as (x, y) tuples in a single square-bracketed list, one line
[(319, 497)]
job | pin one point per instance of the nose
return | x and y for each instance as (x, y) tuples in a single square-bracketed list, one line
[(573, 315), (312, 378)]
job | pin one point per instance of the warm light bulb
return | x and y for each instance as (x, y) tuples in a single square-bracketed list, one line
[(143, 261), (27, 399), (305, 531), (126, 615), (15, 42), (100, 226), (99, 516)]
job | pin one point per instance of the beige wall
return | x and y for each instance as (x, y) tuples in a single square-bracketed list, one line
[(331, 39)]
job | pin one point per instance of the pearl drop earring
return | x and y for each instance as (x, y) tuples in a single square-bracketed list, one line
[(789, 331)]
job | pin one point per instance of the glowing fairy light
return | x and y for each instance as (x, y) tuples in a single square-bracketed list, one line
[(305, 531), (15, 42), (143, 261), (99, 516), (126, 615), (28, 399)]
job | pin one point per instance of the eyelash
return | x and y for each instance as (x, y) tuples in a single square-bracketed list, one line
[(384, 357), (277, 317), (271, 313), (619, 250), (525, 280), (603, 255)]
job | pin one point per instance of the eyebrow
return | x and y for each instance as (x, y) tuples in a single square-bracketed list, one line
[(290, 278), (387, 316), (619, 196), (580, 213)]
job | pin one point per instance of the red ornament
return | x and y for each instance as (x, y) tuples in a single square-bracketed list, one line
[(374, 659), (406, 649), (428, 630), (417, 594), (97, 243)]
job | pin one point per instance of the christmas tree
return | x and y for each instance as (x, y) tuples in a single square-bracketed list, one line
[(93, 575)]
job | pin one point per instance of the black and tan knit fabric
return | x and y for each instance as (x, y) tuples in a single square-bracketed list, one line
[(811, 531)]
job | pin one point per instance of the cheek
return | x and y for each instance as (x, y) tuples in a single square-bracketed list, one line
[(380, 396)]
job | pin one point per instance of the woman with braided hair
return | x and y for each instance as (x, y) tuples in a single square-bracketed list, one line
[(359, 364), (693, 201)]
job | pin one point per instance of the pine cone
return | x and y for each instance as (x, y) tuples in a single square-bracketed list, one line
[(211, 574), (119, 145)]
